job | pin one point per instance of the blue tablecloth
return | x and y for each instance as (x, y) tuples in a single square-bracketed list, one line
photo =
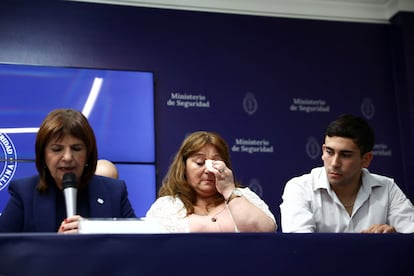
[(207, 254)]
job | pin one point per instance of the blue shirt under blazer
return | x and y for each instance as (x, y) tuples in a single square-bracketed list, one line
[(30, 211)]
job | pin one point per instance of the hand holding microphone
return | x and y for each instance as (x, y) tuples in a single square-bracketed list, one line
[(70, 224)]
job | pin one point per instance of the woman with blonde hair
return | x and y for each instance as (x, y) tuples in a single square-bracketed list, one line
[(199, 193)]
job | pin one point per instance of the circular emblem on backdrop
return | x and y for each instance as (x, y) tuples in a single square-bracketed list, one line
[(255, 186), (250, 103), (367, 108), (8, 160), (313, 148)]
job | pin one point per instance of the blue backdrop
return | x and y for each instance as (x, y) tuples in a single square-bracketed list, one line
[(268, 85)]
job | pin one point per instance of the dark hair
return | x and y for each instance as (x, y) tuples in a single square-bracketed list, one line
[(355, 128), (175, 182), (56, 125)]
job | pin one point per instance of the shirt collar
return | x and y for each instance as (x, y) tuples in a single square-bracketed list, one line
[(322, 180)]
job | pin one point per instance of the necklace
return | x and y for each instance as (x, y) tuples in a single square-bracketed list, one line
[(353, 195), (214, 218)]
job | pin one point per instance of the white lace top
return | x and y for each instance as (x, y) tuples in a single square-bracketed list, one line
[(171, 215)]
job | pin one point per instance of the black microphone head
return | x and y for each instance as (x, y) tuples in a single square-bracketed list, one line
[(69, 181)]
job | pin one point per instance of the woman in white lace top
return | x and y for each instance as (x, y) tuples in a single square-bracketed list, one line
[(199, 193)]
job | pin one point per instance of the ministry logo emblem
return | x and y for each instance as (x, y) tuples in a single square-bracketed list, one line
[(250, 103), (368, 108), (313, 148), (9, 162)]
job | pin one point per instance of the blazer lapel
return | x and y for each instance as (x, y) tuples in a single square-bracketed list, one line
[(99, 203), (44, 212)]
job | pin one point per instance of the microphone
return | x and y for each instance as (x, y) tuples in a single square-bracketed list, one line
[(69, 191)]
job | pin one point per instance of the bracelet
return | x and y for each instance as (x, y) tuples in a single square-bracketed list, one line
[(233, 195)]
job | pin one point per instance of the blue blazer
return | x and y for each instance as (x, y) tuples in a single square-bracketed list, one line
[(30, 211)]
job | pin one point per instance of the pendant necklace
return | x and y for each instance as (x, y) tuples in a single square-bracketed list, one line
[(214, 218)]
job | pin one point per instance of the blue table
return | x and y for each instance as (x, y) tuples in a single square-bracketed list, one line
[(207, 254)]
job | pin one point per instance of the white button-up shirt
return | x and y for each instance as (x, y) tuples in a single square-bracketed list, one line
[(310, 205)]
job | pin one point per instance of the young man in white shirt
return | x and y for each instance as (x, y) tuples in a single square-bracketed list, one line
[(343, 196)]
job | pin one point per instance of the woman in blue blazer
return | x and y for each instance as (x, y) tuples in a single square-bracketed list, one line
[(65, 143)]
